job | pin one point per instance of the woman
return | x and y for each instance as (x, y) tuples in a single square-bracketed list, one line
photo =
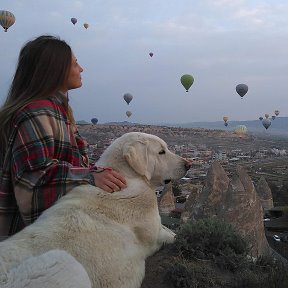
[(42, 155)]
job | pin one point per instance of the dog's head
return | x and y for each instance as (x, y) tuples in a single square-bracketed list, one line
[(149, 156)]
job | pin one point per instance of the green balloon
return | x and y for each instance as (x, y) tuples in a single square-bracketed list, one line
[(187, 81)]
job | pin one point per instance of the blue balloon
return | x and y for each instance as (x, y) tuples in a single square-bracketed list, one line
[(94, 121), (74, 20)]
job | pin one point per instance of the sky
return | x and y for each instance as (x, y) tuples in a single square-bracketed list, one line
[(221, 43)]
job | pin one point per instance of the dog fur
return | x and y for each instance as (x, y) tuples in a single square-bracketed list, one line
[(110, 234), (53, 269)]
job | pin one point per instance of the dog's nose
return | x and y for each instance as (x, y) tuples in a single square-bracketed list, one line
[(188, 164)]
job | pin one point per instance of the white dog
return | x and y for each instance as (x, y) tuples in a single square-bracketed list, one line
[(110, 234)]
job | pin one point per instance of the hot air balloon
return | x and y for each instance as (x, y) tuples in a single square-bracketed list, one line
[(266, 115), (226, 124), (273, 117), (94, 121), (241, 89), (225, 118), (128, 113), (187, 81), (240, 130), (266, 123), (260, 118), (277, 112), (128, 97), (86, 25), (74, 20), (151, 54), (7, 19)]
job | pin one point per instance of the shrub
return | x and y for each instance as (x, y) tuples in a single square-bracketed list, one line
[(275, 271), (212, 239), (184, 274), (209, 253)]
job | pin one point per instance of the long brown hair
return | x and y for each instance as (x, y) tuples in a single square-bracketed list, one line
[(43, 66)]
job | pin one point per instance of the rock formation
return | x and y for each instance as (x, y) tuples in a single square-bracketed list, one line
[(191, 202), (265, 194), (166, 202), (242, 208), (235, 201), (209, 201)]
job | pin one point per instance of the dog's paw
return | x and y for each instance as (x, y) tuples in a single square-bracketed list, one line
[(166, 235)]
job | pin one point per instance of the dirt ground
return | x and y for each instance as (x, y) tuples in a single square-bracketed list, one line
[(155, 270), (156, 266)]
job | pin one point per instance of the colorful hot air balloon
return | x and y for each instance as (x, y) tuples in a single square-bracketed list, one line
[(128, 97), (7, 19), (273, 117), (94, 121), (241, 89), (128, 113), (187, 81), (226, 124), (266, 123), (266, 115), (151, 54), (240, 130), (86, 25), (74, 20), (277, 112), (260, 118)]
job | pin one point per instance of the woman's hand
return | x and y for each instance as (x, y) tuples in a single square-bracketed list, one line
[(109, 180)]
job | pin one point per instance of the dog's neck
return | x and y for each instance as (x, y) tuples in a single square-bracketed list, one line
[(117, 163)]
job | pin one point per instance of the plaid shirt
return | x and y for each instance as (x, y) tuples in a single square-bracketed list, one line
[(46, 157)]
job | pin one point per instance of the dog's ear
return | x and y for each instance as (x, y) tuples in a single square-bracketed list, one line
[(137, 157)]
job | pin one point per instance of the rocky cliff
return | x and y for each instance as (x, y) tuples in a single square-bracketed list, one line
[(235, 201)]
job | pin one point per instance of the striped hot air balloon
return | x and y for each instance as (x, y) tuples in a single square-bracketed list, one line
[(7, 19)]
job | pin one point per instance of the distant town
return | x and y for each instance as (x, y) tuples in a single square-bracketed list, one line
[(202, 146)]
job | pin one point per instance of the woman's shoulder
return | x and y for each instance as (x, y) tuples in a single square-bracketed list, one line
[(42, 107), (41, 104)]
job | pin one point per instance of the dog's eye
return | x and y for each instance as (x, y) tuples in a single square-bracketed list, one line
[(162, 152)]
